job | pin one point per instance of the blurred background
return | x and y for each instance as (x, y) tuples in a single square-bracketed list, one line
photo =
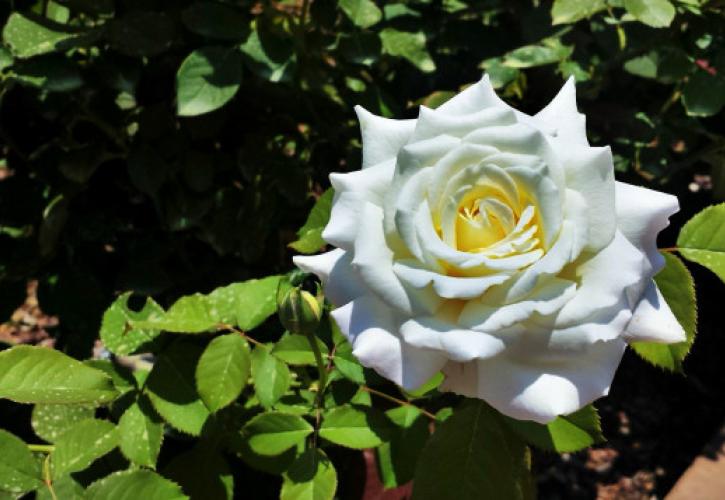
[(170, 147)]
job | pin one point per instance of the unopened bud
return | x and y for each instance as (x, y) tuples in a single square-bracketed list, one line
[(299, 311)]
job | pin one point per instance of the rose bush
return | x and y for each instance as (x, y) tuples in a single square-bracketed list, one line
[(498, 248)]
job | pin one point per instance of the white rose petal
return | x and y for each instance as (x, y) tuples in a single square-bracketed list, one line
[(497, 247)]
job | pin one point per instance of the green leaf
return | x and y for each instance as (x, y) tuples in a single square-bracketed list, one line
[(207, 79), (296, 350), (50, 421), (267, 56), (275, 464), (223, 371), (172, 389), (356, 427), (81, 445), (704, 94), (655, 13), (549, 51), (566, 433), (347, 364), (29, 35), (19, 471), (571, 11), (676, 284), (473, 455), (273, 433), (215, 20), (246, 305), (141, 433), (363, 13), (118, 335), (665, 64), (309, 237), (202, 473), (702, 239), (132, 484), (122, 377), (398, 458), (410, 46), (40, 375), (311, 477), (271, 376)]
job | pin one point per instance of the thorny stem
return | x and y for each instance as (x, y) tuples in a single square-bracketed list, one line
[(322, 370), (225, 326), (398, 401), (47, 477)]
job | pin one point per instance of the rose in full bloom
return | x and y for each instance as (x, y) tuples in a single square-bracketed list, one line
[(495, 247)]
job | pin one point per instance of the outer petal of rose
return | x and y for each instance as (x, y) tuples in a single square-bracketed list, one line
[(371, 328), (351, 192), (335, 271), (538, 392), (653, 320), (373, 262), (474, 98), (455, 343), (381, 137), (563, 114), (641, 214), (604, 279)]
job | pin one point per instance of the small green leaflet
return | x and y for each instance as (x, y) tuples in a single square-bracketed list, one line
[(309, 237), (311, 477), (704, 94), (654, 13), (398, 458), (29, 35), (223, 371), (677, 286), (50, 421), (566, 433), (355, 427), (40, 375), (19, 471), (267, 56), (271, 376), (207, 79), (702, 239), (246, 305), (296, 350), (363, 13), (273, 433), (571, 11), (118, 335), (473, 455), (141, 433), (172, 388), (82, 444), (410, 46), (135, 484)]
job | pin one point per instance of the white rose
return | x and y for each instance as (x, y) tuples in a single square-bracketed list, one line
[(497, 247)]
